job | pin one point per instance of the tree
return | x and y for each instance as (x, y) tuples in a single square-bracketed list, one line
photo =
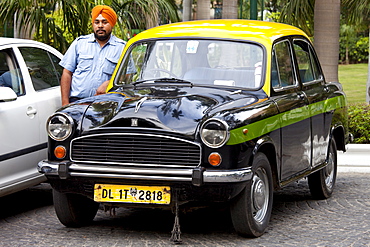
[(230, 9), (156, 12), (320, 19), (359, 13), (34, 18), (203, 10), (326, 36), (37, 17), (299, 13), (347, 32), (187, 10)]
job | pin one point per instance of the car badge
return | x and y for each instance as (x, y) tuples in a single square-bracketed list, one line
[(134, 122), (139, 103)]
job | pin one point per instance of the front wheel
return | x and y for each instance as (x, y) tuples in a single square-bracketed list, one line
[(251, 209), (321, 183), (74, 210)]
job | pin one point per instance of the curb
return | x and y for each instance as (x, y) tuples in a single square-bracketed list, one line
[(355, 159)]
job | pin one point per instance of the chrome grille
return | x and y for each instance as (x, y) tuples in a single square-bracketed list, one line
[(135, 149)]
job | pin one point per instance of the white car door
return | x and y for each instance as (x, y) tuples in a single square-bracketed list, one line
[(22, 121)]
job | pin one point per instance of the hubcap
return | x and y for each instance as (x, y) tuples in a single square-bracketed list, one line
[(329, 172), (260, 195)]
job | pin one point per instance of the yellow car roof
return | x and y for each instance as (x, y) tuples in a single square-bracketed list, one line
[(259, 31)]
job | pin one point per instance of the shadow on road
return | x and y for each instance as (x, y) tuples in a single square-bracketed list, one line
[(25, 200)]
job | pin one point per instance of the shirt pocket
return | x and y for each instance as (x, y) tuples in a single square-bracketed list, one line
[(85, 63), (109, 65)]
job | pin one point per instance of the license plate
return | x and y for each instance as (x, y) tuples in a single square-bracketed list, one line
[(132, 194)]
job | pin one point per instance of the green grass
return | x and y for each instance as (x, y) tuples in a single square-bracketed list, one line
[(353, 77)]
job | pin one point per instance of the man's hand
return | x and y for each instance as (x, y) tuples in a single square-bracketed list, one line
[(102, 88)]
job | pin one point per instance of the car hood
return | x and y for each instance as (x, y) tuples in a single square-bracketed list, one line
[(176, 109)]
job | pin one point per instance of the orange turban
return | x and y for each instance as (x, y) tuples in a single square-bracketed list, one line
[(106, 11)]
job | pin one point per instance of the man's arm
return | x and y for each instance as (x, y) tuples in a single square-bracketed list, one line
[(65, 86), (102, 88)]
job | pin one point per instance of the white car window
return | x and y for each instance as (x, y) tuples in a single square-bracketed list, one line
[(10, 75), (43, 67)]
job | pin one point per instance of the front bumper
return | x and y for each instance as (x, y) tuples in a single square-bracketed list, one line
[(197, 176)]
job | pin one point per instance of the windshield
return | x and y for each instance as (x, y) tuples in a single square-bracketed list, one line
[(211, 62)]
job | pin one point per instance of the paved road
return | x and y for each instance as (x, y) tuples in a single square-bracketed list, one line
[(27, 218)]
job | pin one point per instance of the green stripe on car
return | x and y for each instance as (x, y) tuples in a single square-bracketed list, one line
[(267, 125)]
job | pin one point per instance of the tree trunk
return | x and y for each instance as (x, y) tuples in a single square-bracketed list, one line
[(186, 10), (368, 76), (326, 34), (230, 9), (203, 10)]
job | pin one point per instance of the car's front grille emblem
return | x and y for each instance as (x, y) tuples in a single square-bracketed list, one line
[(134, 122)]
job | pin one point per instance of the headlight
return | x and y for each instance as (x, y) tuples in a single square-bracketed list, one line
[(214, 133), (59, 126)]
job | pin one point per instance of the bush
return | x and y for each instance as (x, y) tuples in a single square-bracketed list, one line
[(358, 49), (359, 122)]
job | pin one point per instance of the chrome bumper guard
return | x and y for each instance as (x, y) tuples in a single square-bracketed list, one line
[(196, 176)]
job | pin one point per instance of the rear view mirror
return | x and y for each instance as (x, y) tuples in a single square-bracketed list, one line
[(7, 94)]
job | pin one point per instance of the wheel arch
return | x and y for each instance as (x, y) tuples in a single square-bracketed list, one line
[(338, 133), (266, 146)]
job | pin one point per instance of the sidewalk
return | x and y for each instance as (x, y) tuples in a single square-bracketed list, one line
[(356, 159)]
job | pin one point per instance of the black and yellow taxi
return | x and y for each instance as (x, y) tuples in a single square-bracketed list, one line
[(200, 112)]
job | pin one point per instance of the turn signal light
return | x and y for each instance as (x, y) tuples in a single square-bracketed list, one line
[(60, 152), (214, 159)]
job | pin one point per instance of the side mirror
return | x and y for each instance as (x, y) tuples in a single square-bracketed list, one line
[(7, 94)]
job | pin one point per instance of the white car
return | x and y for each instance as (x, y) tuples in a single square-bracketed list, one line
[(29, 93)]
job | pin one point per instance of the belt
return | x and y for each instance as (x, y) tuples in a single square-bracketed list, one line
[(73, 99)]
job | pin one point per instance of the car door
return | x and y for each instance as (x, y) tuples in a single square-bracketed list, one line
[(22, 121), (317, 92), (295, 153)]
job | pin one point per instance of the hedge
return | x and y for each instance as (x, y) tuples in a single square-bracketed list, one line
[(359, 122)]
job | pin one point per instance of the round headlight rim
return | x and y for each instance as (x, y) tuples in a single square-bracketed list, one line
[(226, 130), (66, 116)]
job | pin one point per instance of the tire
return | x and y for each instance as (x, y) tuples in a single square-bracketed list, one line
[(321, 183), (251, 209), (74, 210)]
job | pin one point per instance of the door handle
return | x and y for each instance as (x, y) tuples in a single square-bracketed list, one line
[(31, 112), (301, 96)]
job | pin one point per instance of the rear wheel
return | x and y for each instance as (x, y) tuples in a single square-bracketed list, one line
[(251, 209), (321, 183), (74, 210)]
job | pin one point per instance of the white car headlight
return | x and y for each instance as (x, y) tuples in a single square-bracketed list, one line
[(59, 126), (214, 133)]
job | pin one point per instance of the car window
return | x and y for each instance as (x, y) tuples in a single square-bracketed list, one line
[(282, 67), (10, 75), (307, 65), (43, 67)]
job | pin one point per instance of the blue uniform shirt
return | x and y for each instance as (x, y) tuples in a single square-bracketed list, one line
[(91, 64)]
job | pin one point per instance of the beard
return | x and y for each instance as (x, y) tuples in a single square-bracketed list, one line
[(102, 37)]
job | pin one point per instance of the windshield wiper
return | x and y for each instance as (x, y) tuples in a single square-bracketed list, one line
[(172, 80), (169, 80)]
